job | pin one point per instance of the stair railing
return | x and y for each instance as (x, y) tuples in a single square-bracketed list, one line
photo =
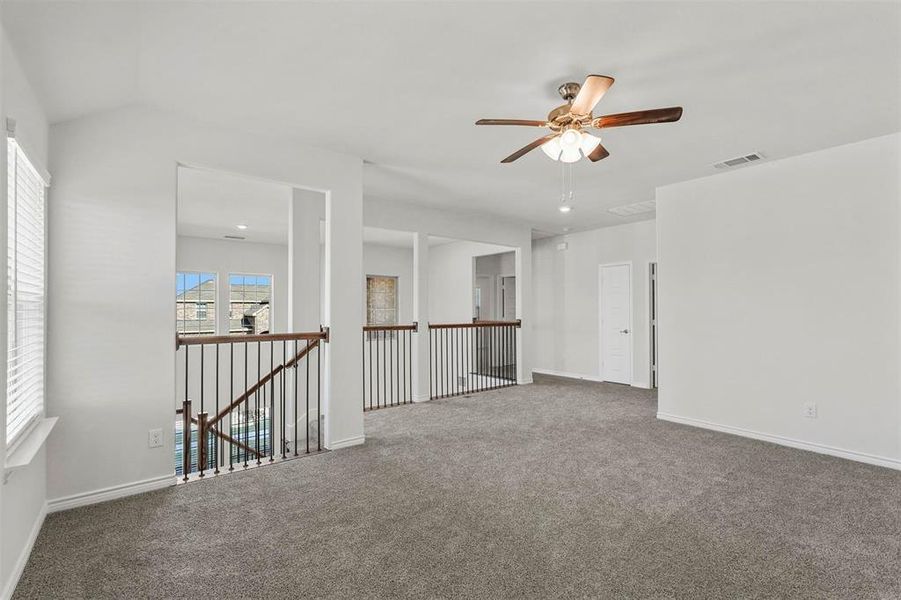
[(472, 357), (271, 417)]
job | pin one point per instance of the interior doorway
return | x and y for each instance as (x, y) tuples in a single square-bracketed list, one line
[(616, 322)]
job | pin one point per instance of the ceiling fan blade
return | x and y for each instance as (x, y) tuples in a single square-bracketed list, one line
[(640, 117), (590, 94), (523, 122), (530, 147), (598, 153)]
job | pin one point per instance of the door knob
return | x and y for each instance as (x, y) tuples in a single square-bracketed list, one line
[(624, 331)]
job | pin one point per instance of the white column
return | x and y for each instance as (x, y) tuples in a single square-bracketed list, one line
[(421, 391), (343, 299), (524, 312), (307, 209)]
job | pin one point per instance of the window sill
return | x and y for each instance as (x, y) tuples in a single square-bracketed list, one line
[(25, 451)]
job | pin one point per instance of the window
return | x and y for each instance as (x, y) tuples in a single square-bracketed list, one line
[(381, 300), (195, 303), (249, 303), (25, 293)]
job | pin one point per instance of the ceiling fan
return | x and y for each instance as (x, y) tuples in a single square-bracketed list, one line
[(568, 141)]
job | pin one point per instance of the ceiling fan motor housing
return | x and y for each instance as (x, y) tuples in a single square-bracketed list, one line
[(569, 91)]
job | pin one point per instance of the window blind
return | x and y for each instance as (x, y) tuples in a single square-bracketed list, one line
[(25, 293)]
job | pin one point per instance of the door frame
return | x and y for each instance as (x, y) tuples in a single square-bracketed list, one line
[(499, 296), (601, 371)]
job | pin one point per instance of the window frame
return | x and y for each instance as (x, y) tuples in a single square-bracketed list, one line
[(201, 273), (271, 299), (24, 430), (396, 297)]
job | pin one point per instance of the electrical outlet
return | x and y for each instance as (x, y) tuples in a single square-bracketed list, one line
[(154, 438), (810, 410)]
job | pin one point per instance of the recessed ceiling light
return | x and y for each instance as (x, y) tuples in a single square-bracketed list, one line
[(242, 227), (565, 208)]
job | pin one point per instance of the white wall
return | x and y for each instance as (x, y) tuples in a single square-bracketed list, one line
[(112, 259), (23, 497), (779, 285), (224, 257), (391, 261), (567, 305), (452, 277)]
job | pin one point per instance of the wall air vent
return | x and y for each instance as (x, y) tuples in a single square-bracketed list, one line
[(234, 237), (630, 210), (739, 160)]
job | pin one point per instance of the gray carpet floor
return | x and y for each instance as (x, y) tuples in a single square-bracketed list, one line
[(557, 489)]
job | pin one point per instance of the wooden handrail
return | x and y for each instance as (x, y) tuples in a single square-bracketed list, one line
[(476, 324), (196, 340), (266, 378), (413, 327)]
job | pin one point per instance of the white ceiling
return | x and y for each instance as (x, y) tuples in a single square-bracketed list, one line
[(400, 84), (211, 204)]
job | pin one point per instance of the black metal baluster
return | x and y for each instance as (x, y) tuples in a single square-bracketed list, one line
[(369, 347), (186, 424), (389, 372), (459, 384), (515, 357), (245, 425), (269, 436), (257, 400), (363, 348), (216, 441), (294, 415), (201, 441), (284, 375), (306, 416), (378, 369), (384, 370), (318, 399), (405, 334), (410, 363), (231, 396), (431, 361)]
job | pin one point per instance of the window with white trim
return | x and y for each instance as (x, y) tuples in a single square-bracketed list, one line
[(195, 303), (25, 269)]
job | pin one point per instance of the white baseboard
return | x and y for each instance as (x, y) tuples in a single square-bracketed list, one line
[(110, 493), (19, 567), (424, 398), (354, 441), (871, 459), (568, 375)]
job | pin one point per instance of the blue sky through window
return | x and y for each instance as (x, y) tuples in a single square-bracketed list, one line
[(188, 280), (249, 280)]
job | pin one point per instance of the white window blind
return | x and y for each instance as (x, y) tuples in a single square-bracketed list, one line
[(25, 294)]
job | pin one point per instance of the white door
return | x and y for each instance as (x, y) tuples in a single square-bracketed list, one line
[(616, 323)]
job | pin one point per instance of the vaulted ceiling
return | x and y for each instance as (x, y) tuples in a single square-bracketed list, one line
[(400, 84)]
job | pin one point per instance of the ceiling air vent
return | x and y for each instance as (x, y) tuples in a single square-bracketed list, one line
[(739, 160), (234, 237), (630, 210)]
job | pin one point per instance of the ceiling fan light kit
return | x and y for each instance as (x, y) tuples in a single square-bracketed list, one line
[(568, 142)]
